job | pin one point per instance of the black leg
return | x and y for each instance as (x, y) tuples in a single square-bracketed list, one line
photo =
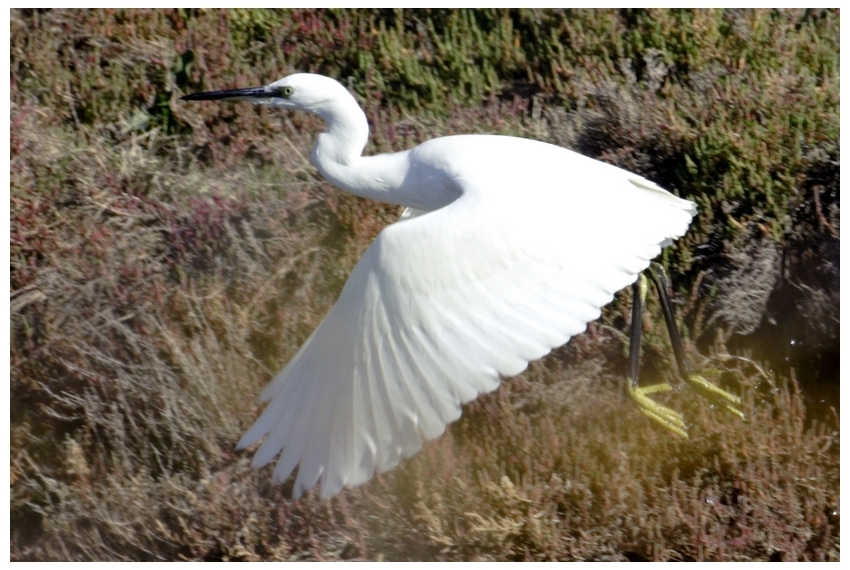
[(638, 300), (640, 396), (653, 410), (717, 395), (659, 276)]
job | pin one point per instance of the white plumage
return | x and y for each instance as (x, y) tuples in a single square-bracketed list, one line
[(508, 248)]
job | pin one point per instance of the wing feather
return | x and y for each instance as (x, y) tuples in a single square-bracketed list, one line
[(442, 306)]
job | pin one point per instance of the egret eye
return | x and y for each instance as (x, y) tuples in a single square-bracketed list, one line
[(286, 91)]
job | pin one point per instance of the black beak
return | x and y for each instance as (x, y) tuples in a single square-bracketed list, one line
[(249, 94)]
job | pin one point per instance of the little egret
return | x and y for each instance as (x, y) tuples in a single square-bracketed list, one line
[(506, 249)]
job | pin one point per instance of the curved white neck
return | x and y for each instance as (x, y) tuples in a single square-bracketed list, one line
[(347, 134), (383, 177), (338, 151)]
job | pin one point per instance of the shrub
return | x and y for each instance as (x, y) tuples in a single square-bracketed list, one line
[(167, 259)]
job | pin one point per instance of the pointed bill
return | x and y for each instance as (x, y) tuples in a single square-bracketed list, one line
[(247, 94)]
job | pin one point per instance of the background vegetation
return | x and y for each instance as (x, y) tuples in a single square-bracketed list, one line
[(168, 258)]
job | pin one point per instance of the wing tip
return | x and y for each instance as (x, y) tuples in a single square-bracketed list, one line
[(683, 204)]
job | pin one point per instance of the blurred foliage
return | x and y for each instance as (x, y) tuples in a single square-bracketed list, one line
[(167, 258), (747, 101)]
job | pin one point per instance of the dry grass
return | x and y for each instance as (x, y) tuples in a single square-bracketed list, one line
[(167, 260)]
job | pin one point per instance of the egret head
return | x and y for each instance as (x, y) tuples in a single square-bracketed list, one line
[(300, 91)]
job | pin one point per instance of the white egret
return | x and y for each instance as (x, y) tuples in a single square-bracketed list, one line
[(507, 248)]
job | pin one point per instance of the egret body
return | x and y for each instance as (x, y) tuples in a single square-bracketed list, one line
[(508, 247)]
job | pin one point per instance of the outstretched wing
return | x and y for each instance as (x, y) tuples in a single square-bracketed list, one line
[(444, 304)]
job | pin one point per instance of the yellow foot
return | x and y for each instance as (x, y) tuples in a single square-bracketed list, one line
[(718, 396), (662, 415)]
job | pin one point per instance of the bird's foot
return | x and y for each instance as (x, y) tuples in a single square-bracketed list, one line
[(715, 394), (651, 409), (673, 420), (661, 415)]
